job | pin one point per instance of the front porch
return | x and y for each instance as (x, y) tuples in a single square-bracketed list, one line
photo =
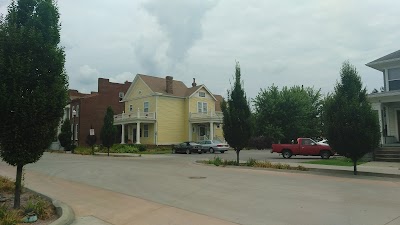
[(205, 126), (387, 106), (137, 128)]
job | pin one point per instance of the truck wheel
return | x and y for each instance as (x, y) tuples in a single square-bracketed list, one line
[(325, 154), (286, 154)]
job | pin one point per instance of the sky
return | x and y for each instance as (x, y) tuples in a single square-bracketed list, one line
[(284, 43)]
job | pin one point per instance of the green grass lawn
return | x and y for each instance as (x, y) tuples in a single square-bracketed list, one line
[(341, 161)]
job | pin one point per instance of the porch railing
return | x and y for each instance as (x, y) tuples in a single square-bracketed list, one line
[(134, 116), (208, 115)]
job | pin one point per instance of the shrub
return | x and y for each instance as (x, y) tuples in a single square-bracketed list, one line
[(83, 151), (217, 161), (11, 217), (3, 210), (6, 185), (141, 147), (40, 206), (251, 162)]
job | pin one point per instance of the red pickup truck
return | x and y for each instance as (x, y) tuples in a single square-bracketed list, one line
[(304, 146)]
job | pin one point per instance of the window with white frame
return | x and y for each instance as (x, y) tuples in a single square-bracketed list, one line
[(121, 95), (146, 107), (202, 107), (394, 79), (130, 108), (145, 130), (202, 94)]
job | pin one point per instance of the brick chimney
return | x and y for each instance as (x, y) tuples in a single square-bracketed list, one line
[(194, 83), (169, 84)]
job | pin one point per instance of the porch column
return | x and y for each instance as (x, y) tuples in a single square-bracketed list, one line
[(138, 133), (211, 130), (190, 131), (123, 134)]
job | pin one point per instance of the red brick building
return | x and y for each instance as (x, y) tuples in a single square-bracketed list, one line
[(91, 108)]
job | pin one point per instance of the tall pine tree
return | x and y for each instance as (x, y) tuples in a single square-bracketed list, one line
[(33, 83), (352, 128), (237, 116)]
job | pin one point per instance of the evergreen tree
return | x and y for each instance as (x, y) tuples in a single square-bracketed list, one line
[(65, 137), (352, 128), (237, 120), (108, 131), (33, 83)]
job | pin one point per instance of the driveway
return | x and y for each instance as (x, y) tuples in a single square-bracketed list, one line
[(242, 196)]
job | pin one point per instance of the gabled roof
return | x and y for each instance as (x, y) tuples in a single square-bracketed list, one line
[(157, 84)]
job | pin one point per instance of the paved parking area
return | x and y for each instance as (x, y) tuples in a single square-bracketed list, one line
[(242, 196)]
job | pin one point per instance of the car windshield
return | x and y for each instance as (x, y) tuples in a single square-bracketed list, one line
[(216, 142), (193, 143)]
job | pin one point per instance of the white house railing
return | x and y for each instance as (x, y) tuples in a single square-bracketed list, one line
[(134, 116), (216, 116)]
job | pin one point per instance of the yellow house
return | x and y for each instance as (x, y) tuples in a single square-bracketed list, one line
[(164, 111)]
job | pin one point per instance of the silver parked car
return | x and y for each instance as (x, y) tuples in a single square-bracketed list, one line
[(214, 146)]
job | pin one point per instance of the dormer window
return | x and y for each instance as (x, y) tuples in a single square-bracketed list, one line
[(202, 94)]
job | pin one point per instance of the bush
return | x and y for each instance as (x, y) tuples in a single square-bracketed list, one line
[(260, 142), (41, 207), (11, 217), (141, 148), (6, 185), (83, 151), (124, 148), (251, 162)]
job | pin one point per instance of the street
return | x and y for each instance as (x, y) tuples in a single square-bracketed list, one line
[(242, 196)]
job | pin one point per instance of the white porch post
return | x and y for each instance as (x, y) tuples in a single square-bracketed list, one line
[(123, 134), (138, 133), (190, 131), (211, 131)]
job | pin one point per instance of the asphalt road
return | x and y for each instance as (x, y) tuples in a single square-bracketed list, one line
[(243, 196)]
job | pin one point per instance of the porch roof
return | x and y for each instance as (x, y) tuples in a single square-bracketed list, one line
[(387, 96), (390, 60)]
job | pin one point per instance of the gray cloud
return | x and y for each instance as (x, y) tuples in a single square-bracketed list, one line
[(181, 22)]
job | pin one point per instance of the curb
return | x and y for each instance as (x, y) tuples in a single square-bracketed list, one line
[(65, 213), (114, 155), (348, 172), (312, 170)]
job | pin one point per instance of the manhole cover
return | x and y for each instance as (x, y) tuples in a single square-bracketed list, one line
[(197, 177)]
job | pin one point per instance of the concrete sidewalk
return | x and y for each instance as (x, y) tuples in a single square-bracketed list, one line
[(96, 206), (380, 169)]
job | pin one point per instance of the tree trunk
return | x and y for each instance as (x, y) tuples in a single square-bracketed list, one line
[(108, 151), (237, 157), (355, 166), (17, 196)]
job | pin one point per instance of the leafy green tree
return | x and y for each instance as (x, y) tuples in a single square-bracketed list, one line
[(237, 120), (33, 83), (284, 115), (65, 136), (352, 127), (108, 131)]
